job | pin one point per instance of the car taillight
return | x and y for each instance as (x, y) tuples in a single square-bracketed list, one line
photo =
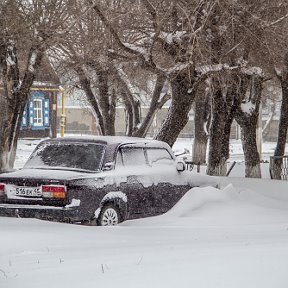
[(2, 189), (54, 191)]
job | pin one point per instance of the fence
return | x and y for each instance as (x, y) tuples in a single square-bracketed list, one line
[(279, 167)]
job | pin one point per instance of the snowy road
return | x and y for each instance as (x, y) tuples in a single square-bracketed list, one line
[(236, 237), (210, 239)]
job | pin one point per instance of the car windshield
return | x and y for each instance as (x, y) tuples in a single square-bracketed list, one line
[(66, 156)]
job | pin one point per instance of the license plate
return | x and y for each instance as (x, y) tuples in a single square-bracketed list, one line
[(27, 191)]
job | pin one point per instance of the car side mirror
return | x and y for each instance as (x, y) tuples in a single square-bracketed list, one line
[(180, 166), (108, 166)]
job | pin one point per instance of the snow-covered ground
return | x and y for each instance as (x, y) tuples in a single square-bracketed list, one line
[(233, 237)]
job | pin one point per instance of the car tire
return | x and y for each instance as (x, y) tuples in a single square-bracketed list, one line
[(109, 216)]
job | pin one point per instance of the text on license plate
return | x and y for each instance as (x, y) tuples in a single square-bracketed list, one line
[(28, 191)]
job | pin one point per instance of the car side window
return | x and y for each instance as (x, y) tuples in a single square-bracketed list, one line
[(133, 156), (159, 156)]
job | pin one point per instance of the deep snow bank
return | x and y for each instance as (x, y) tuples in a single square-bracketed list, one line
[(234, 205), (197, 198)]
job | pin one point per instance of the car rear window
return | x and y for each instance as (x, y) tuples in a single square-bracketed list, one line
[(71, 156)]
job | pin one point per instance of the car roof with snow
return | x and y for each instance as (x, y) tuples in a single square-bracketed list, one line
[(110, 140), (112, 143)]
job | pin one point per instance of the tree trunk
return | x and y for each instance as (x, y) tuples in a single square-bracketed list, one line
[(201, 124), (153, 108), (104, 100), (86, 86), (248, 122), (182, 100), (216, 160), (283, 123), (14, 98), (282, 130), (133, 117), (251, 155), (128, 118)]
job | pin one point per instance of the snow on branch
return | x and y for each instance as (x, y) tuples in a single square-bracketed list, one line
[(10, 56), (248, 107), (206, 69), (32, 61), (138, 50), (252, 71), (177, 67), (126, 80), (174, 37)]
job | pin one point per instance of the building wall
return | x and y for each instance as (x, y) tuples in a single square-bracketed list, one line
[(81, 121), (39, 118), (78, 120)]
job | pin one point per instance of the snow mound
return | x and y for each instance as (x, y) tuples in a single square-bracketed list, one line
[(197, 198), (202, 206)]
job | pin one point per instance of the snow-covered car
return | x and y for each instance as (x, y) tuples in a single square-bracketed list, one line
[(103, 180)]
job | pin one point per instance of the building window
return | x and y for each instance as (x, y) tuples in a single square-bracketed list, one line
[(38, 112)]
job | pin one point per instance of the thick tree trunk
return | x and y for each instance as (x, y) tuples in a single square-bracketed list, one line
[(283, 123), (282, 130), (104, 100), (201, 126), (251, 155), (224, 111), (14, 98), (182, 100), (9, 135), (248, 122), (215, 162)]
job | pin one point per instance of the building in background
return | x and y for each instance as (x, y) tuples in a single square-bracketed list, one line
[(40, 114)]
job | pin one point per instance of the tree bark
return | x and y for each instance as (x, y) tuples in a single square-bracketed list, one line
[(182, 100), (251, 155), (14, 98), (248, 123), (201, 126), (283, 122), (215, 162), (154, 107), (86, 86), (283, 127), (106, 103), (129, 115)]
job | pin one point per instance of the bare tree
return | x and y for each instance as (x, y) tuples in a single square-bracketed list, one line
[(239, 33), (164, 47), (28, 28), (106, 77)]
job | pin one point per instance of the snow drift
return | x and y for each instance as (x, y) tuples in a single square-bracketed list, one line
[(230, 205)]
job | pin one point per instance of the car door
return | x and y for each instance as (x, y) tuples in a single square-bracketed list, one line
[(132, 171), (169, 186)]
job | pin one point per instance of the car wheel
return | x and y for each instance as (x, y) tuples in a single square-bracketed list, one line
[(109, 216)]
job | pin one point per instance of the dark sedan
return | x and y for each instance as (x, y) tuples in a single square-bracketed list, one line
[(103, 180)]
